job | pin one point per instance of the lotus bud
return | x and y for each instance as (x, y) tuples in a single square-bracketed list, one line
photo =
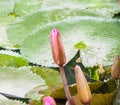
[(57, 48), (115, 69), (48, 101), (83, 89)]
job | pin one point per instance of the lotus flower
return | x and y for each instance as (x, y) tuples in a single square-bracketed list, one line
[(83, 89), (48, 101), (57, 48), (115, 69)]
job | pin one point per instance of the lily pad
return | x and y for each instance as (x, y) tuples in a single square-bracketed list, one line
[(34, 29), (5, 11), (97, 99), (11, 102), (102, 44), (95, 87), (18, 81), (10, 10), (103, 7), (25, 26), (52, 78), (9, 58), (23, 7)]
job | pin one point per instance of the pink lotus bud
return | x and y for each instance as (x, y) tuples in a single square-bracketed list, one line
[(83, 89), (57, 48), (48, 101), (115, 69)]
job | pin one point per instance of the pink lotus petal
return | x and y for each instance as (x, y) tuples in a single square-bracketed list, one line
[(48, 101)]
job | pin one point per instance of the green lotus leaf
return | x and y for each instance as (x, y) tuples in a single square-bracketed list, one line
[(102, 99), (36, 47), (11, 102), (23, 7), (97, 99), (95, 87), (34, 29), (10, 10), (5, 11), (19, 81), (103, 7), (25, 26), (9, 58), (52, 78), (4, 21)]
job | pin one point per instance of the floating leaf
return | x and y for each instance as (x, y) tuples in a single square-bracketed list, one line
[(4, 42), (97, 99), (49, 75), (9, 58), (89, 29), (5, 20), (13, 80), (29, 29), (108, 86), (10, 102), (13, 97), (23, 7), (5, 11), (9, 11), (18, 30), (103, 7), (102, 99), (52, 78), (95, 87)]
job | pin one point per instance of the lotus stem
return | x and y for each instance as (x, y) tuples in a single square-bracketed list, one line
[(64, 80)]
